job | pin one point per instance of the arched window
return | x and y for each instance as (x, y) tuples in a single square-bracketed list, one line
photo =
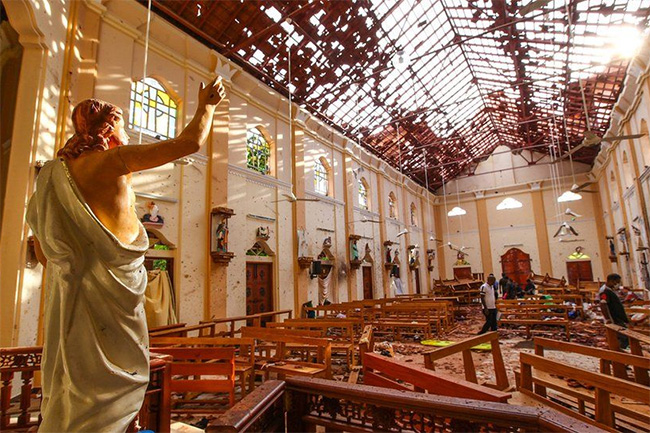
[(392, 206), (414, 215), (258, 151), (152, 110), (645, 143), (321, 176), (363, 194)]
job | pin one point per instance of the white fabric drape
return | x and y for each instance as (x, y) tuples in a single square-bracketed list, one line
[(95, 358), (324, 286), (159, 300)]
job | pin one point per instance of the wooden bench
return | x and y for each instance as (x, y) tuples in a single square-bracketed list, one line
[(255, 320), (610, 397), (202, 330), (635, 339), (366, 345), (190, 363), (244, 355), (465, 347), (521, 313), (340, 331), (278, 361), (387, 373)]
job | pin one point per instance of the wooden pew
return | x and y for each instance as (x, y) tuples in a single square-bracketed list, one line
[(366, 345), (384, 372), (255, 320), (190, 363), (635, 339), (340, 331), (464, 347), (244, 355), (202, 329), (610, 399), (279, 362), (530, 314)]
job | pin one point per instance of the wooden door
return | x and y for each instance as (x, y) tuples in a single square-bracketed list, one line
[(259, 288), (516, 265), (579, 270), (367, 282), (417, 281)]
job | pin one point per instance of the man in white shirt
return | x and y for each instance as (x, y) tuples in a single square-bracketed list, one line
[(488, 300)]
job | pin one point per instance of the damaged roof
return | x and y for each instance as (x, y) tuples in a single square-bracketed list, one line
[(437, 83)]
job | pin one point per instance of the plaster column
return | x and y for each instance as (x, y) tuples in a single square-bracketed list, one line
[(379, 261), (348, 181), (424, 222), (85, 71), (637, 183), (600, 231), (610, 214), (541, 229), (301, 278), (406, 207), (631, 257), (442, 273), (21, 172), (484, 233), (216, 288)]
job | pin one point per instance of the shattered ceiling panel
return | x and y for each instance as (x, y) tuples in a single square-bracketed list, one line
[(440, 83)]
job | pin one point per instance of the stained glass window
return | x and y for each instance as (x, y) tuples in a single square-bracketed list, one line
[(152, 109), (258, 151), (392, 206), (363, 194), (321, 178)]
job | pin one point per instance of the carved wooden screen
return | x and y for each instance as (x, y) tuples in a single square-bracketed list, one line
[(516, 265)]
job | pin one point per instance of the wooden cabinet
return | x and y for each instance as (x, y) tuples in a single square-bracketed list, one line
[(516, 265), (579, 270)]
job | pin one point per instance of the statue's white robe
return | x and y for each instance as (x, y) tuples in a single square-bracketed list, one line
[(96, 351)]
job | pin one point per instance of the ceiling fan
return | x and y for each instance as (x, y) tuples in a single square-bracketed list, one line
[(291, 198), (565, 230), (581, 188), (590, 138), (570, 213), (456, 248)]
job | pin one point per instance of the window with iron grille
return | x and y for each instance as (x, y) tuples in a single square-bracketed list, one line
[(321, 178), (152, 110), (258, 151)]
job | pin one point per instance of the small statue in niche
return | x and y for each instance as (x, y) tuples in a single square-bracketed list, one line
[(153, 217), (222, 237), (612, 247), (354, 250), (414, 256), (431, 255), (263, 233), (367, 256), (460, 259), (389, 259), (327, 243)]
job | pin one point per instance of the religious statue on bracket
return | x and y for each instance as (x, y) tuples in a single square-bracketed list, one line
[(431, 255), (460, 259), (612, 249), (355, 261), (388, 259), (219, 250), (152, 218), (414, 256), (367, 256), (622, 237), (263, 233)]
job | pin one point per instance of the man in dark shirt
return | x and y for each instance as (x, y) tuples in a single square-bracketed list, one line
[(503, 284), (612, 307)]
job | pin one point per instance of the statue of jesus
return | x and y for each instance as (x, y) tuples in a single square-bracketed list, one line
[(95, 362)]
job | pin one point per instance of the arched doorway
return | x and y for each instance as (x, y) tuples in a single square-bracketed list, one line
[(516, 264)]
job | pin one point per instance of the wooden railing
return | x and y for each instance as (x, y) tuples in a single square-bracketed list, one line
[(23, 411), (304, 404), (22, 362)]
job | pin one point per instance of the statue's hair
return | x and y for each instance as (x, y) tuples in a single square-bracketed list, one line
[(94, 123)]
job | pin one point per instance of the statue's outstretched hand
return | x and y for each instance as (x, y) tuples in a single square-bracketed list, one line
[(213, 93)]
